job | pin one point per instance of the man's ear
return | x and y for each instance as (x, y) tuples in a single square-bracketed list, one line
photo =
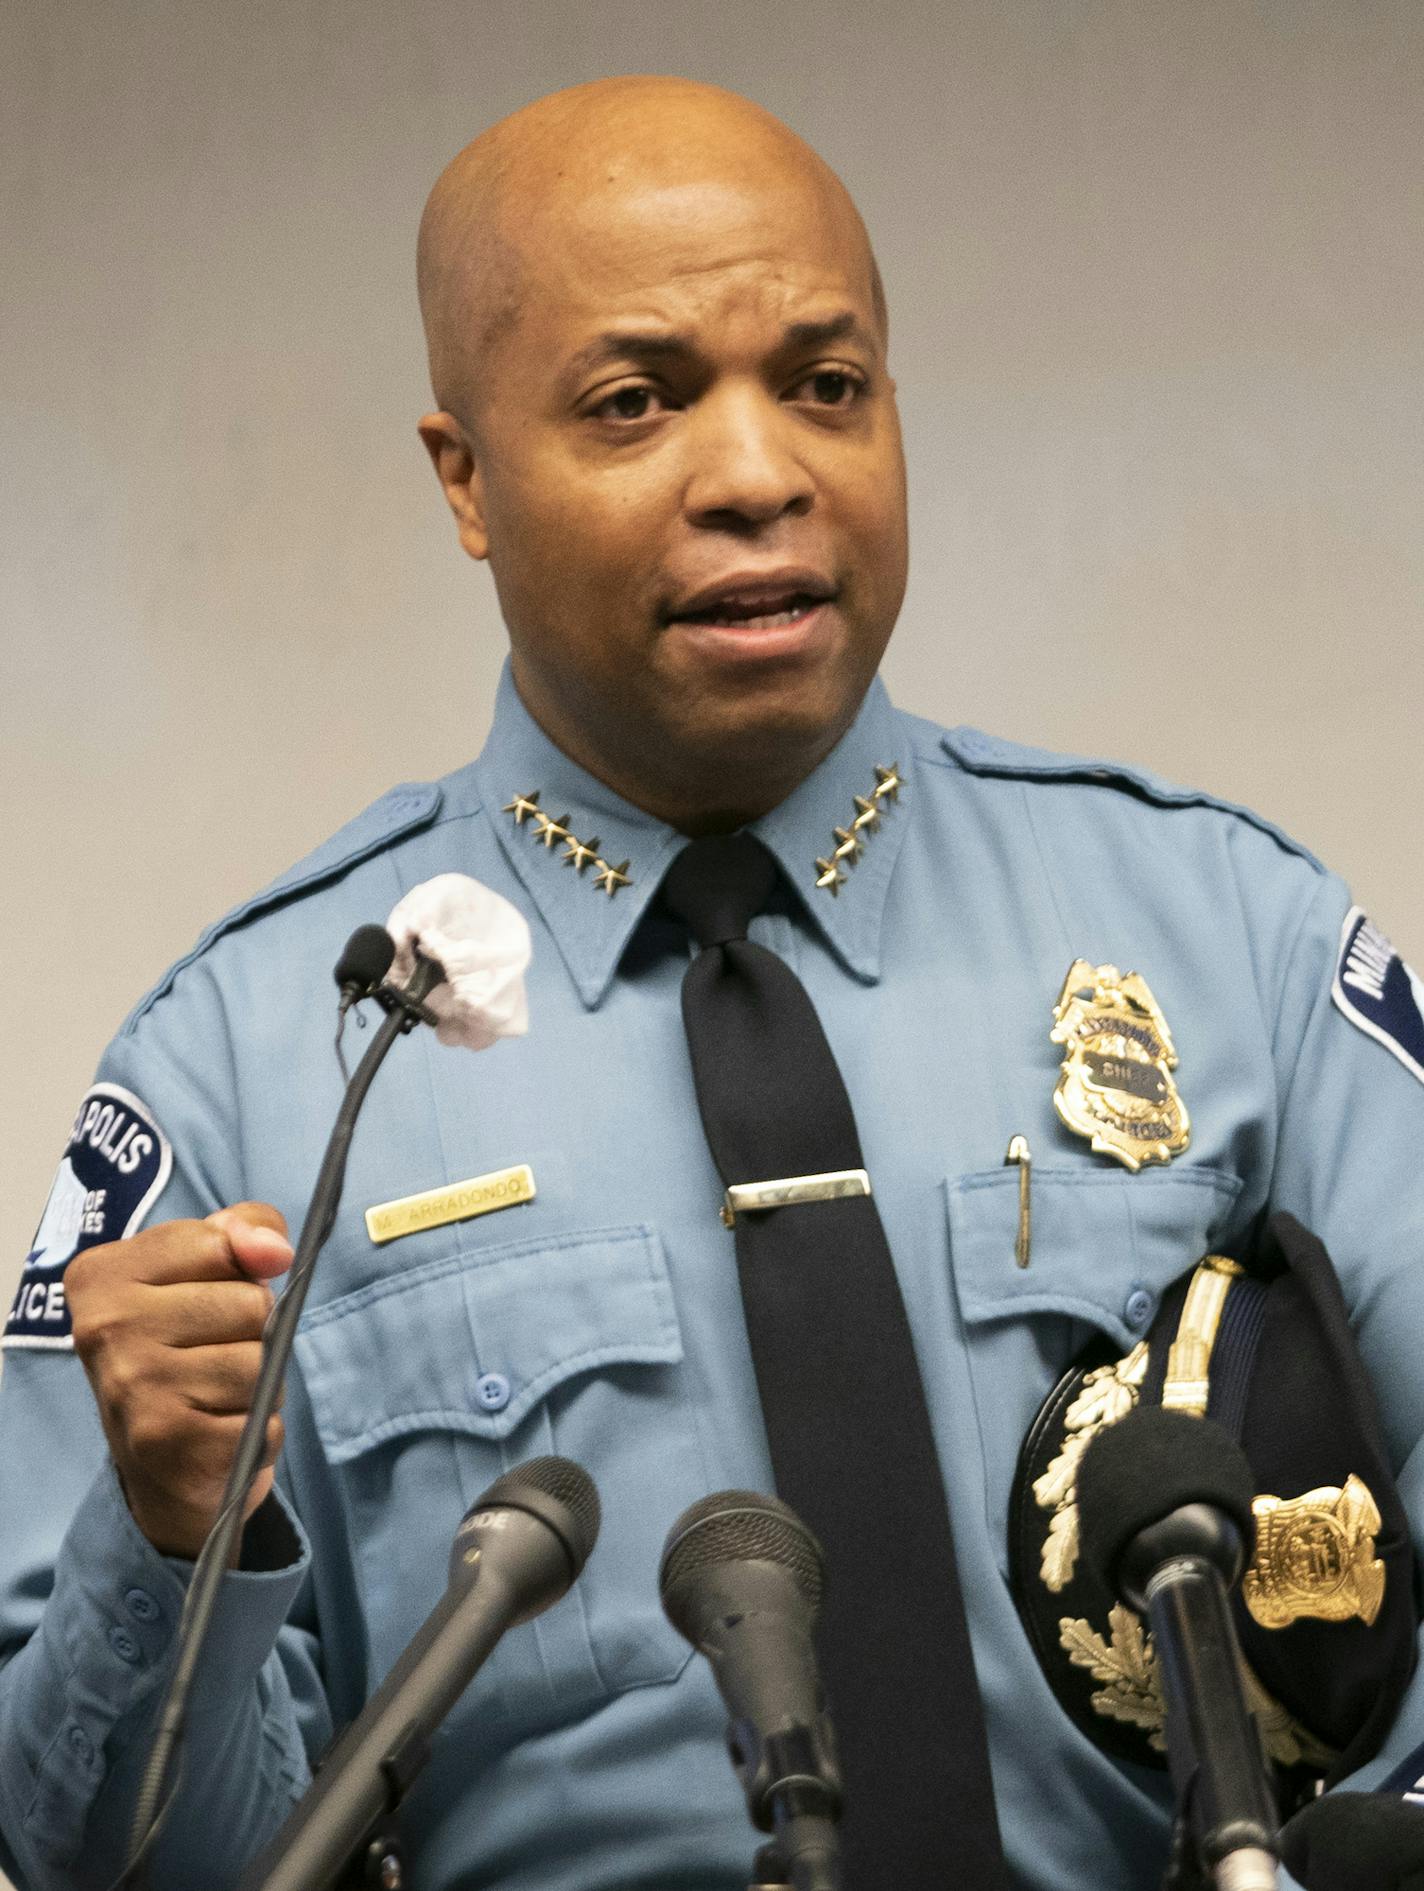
[(458, 470)]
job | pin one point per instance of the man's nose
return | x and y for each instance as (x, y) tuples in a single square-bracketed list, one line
[(744, 468)]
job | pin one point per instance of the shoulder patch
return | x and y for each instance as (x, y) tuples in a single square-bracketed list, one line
[(397, 813), (113, 1169), (981, 754), (1377, 991)]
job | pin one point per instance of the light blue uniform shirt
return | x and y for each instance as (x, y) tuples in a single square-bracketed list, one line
[(603, 1321)]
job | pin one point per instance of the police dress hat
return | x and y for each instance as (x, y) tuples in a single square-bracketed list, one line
[(1327, 1608)]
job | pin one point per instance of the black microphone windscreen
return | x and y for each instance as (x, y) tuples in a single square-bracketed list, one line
[(1356, 1842), (1149, 1464), (569, 1485), (365, 958), (742, 1526)]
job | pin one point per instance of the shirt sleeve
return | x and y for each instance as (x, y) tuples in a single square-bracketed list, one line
[(89, 1609), (1350, 1166)]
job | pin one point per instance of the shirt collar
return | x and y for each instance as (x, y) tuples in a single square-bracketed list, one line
[(568, 838)]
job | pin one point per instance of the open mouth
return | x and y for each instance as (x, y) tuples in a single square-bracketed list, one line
[(755, 607), (733, 615)]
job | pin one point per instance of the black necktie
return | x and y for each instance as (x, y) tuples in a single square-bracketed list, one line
[(849, 1431)]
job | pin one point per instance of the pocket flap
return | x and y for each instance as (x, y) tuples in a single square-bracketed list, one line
[(408, 1352), (1104, 1246)]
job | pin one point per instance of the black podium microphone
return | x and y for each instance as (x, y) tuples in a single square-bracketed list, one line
[(360, 972), (519, 1548), (365, 959), (741, 1578), (1165, 1505), (1350, 1841)]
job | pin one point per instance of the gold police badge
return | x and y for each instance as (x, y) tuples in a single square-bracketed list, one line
[(1315, 1555), (1115, 1083)]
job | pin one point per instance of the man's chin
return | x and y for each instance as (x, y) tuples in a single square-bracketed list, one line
[(778, 728)]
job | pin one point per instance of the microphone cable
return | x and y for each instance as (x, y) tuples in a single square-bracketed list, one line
[(405, 1008)]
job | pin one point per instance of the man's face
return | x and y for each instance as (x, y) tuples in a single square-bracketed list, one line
[(688, 480)]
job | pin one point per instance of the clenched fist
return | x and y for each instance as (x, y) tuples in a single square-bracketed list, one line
[(168, 1325)]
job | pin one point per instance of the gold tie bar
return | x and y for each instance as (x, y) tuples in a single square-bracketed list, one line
[(746, 1197)]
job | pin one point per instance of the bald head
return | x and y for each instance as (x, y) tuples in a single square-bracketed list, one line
[(561, 173), (667, 423)]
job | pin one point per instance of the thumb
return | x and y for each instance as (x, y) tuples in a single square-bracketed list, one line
[(260, 1251)]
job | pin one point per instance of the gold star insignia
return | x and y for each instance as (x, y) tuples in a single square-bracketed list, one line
[(851, 846), (578, 854), (521, 805), (888, 783), (867, 815), (548, 830), (830, 877), (609, 879)]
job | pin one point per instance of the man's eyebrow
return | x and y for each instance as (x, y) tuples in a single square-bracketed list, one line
[(845, 326), (670, 344), (619, 343)]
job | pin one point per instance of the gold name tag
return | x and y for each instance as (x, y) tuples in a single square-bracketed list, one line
[(460, 1201)]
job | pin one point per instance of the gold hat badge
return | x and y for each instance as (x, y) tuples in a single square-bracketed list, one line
[(850, 841), (1315, 1555), (578, 854), (1115, 1082)]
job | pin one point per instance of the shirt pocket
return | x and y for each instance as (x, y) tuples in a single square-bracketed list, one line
[(1104, 1249), (425, 1387)]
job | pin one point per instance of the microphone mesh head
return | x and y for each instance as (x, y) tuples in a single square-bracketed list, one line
[(742, 1526), (1354, 1841), (567, 1483), (366, 957), (1149, 1464)]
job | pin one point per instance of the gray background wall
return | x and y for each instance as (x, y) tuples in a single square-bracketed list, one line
[(1156, 275)]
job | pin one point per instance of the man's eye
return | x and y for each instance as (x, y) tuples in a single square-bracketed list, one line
[(634, 402), (831, 387)]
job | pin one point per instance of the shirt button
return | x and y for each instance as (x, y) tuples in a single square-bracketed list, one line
[(1138, 1310), (141, 1605), (80, 1745), (492, 1391), (124, 1645)]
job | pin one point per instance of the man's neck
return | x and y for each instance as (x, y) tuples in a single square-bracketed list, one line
[(713, 794)]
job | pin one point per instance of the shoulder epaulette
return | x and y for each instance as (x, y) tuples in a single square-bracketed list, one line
[(398, 812), (981, 754)]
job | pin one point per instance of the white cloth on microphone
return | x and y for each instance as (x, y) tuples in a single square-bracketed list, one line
[(482, 942)]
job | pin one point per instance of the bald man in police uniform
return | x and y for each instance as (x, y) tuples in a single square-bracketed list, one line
[(666, 420)]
